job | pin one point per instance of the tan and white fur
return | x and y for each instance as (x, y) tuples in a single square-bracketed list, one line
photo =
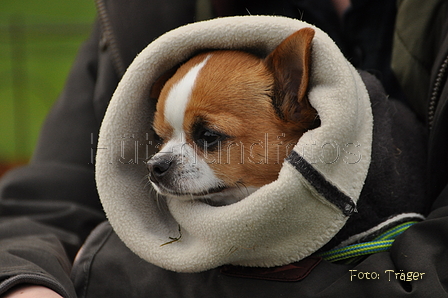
[(227, 120)]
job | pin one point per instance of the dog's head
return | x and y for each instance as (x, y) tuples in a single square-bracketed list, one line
[(228, 119)]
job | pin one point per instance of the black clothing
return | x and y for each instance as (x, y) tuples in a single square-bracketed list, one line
[(48, 208)]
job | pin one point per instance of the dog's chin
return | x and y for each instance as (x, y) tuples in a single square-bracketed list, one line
[(220, 196), (227, 196)]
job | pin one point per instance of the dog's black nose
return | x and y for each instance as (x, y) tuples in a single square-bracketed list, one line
[(158, 168)]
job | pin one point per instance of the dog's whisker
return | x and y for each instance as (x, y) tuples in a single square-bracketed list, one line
[(160, 199), (147, 182)]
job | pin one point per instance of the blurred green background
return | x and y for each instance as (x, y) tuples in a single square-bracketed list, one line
[(38, 43)]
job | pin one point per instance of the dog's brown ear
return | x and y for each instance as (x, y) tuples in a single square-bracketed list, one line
[(290, 63)]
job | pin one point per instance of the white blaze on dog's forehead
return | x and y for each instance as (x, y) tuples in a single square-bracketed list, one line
[(179, 96)]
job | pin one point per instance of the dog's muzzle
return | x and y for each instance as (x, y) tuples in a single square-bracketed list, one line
[(159, 169)]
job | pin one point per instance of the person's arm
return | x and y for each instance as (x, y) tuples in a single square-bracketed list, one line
[(48, 208)]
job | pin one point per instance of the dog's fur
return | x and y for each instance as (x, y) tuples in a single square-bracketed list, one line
[(228, 119)]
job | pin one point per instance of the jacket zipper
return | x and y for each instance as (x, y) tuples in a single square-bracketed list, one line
[(436, 92), (109, 36)]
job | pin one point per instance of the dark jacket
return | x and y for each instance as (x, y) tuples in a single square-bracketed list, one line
[(49, 207)]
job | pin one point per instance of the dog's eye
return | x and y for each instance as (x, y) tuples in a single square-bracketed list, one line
[(207, 138), (210, 137)]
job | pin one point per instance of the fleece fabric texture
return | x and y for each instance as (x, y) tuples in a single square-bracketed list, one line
[(395, 188), (284, 221)]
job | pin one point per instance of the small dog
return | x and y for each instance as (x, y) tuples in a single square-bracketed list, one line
[(227, 119)]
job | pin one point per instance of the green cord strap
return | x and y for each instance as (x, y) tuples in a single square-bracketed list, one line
[(380, 244)]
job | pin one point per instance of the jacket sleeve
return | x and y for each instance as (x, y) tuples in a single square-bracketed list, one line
[(48, 207)]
